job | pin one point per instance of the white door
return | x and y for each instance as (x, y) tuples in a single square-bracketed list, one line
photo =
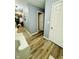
[(56, 24)]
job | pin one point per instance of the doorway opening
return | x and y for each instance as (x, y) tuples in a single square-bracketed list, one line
[(41, 21)]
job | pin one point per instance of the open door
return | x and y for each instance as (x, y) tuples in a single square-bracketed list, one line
[(40, 21), (56, 23)]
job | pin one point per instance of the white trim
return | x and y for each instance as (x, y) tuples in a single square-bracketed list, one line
[(51, 41), (34, 33), (46, 38), (37, 19), (27, 31)]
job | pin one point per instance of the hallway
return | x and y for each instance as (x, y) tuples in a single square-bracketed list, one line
[(42, 32), (23, 50), (20, 37), (35, 47)]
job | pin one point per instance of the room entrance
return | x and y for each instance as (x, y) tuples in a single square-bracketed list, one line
[(40, 21)]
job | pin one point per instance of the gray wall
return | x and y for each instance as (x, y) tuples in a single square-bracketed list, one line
[(48, 7), (25, 8), (32, 21), (30, 12)]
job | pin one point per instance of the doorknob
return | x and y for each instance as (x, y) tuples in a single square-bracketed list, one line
[(51, 27)]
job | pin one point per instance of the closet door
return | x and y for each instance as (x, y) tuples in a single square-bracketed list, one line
[(56, 23)]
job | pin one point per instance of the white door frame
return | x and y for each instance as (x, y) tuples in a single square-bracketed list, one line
[(38, 20)]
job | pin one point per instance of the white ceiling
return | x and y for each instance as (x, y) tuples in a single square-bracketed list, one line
[(38, 3)]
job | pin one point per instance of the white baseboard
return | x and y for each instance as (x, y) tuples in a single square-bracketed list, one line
[(27, 31), (34, 33), (45, 37)]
